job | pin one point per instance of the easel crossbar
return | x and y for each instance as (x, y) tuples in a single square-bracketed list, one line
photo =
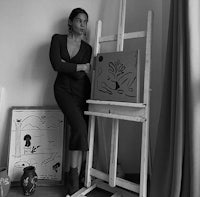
[(84, 191), (115, 116), (132, 35), (115, 190), (119, 181), (138, 105)]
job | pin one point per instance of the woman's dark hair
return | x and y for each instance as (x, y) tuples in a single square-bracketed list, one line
[(75, 12)]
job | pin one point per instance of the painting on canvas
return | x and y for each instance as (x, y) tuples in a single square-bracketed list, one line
[(36, 140), (116, 76)]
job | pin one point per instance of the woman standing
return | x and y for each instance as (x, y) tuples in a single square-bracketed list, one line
[(70, 57)]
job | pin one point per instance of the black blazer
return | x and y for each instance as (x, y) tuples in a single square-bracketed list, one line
[(61, 62)]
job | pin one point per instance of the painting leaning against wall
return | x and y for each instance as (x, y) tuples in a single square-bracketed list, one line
[(37, 140)]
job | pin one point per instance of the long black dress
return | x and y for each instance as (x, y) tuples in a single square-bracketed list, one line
[(72, 88)]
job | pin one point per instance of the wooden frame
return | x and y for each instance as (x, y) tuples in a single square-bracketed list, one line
[(37, 139)]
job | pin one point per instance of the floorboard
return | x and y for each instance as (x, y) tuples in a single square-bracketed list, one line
[(60, 191), (54, 192)]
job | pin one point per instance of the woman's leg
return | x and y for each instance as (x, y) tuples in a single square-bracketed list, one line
[(78, 138), (76, 160), (80, 157), (73, 111)]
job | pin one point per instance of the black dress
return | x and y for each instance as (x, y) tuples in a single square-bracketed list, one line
[(72, 88)]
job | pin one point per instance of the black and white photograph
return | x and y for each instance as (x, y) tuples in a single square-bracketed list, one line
[(100, 98)]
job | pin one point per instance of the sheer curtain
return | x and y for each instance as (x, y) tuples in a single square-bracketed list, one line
[(176, 167)]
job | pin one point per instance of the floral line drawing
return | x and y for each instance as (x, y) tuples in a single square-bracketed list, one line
[(118, 80)]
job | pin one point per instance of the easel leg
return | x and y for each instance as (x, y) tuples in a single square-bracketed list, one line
[(144, 160), (114, 153), (89, 158)]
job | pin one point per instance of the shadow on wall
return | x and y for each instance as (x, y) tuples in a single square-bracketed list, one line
[(47, 74), (61, 27), (42, 69), (38, 76), (6, 137)]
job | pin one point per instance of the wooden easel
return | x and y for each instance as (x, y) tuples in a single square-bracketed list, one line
[(138, 112)]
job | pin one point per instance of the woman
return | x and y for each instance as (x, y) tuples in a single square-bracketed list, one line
[(70, 57)]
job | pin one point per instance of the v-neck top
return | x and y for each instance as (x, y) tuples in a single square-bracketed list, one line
[(66, 66)]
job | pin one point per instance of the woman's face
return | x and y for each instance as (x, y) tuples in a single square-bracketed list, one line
[(79, 24)]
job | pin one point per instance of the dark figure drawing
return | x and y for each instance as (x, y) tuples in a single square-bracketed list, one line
[(27, 138), (70, 57), (56, 166)]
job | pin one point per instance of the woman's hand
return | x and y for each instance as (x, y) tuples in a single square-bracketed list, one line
[(87, 68), (83, 67)]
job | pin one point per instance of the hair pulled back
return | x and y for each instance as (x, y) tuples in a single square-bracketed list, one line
[(75, 12)]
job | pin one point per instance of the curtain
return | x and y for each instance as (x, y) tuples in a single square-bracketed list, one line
[(176, 166)]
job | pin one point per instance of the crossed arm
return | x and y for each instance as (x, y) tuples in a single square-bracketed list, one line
[(61, 65)]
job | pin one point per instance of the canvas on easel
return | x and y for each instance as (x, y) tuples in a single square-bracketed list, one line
[(116, 76)]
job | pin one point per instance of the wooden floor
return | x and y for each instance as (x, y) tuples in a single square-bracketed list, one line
[(60, 191), (53, 192)]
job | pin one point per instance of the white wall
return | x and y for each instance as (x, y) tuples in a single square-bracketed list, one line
[(25, 71), (136, 18)]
